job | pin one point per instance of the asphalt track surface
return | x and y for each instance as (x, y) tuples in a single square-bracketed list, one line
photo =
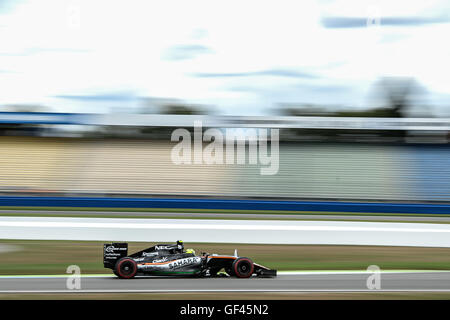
[(300, 282), (352, 217)]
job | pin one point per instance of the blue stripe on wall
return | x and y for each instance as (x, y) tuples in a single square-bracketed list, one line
[(325, 206)]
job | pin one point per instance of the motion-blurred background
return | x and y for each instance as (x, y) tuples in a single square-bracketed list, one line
[(91, 91)]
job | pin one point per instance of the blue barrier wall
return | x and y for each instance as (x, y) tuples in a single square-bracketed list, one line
[(431, 168), (215, 204)]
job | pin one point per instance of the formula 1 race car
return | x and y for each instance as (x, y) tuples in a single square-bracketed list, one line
[(172, 259)]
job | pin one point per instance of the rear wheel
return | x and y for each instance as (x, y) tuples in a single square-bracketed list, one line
[(242, 267), (126, 268)]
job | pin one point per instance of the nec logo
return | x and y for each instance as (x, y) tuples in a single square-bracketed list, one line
[(163, 247)]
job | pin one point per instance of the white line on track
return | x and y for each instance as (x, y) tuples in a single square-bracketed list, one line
[(224, 290)]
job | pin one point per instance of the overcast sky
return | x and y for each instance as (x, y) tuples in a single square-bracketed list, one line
[(244, 57)]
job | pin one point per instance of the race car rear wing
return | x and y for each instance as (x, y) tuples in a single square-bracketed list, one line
[(113, 252)]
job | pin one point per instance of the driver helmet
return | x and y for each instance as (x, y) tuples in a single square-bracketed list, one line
[(190, 251), (180, 245)]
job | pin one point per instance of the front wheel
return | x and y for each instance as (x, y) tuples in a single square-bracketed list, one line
[(126, 268), (242, 267)]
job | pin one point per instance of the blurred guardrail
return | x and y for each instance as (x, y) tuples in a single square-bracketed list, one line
[(164, 120), (228, 204)]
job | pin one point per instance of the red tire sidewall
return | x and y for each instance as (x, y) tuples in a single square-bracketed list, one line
[(235, 268), (130, 275)]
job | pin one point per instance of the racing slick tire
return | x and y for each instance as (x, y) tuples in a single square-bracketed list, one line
[(242, 267), (126, 268)]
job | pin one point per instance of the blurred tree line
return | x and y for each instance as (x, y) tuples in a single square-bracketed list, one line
[(395, 97), (399, 97)]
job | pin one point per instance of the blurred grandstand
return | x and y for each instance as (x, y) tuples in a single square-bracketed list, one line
[(326, 156)]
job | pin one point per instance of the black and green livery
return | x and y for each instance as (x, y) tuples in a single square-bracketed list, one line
[(173, 259)]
